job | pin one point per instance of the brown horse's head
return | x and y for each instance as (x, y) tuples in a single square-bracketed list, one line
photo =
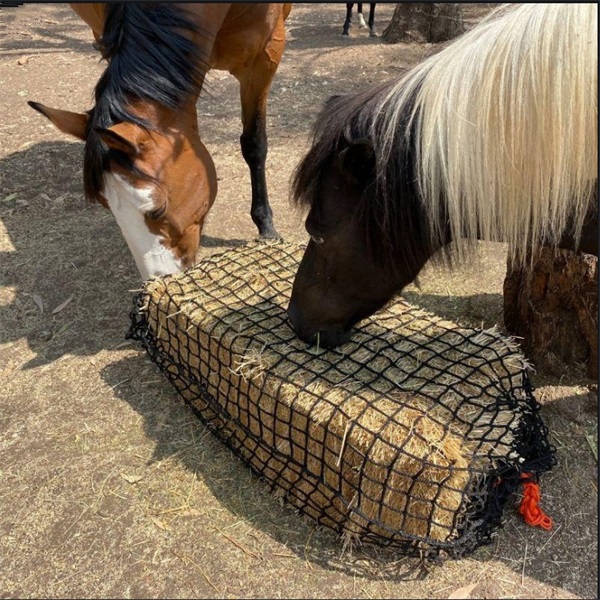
[(143, 156), (159, 183)]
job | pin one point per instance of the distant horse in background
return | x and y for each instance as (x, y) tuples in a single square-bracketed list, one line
[(494, 138), (361, 19), (143, 157)]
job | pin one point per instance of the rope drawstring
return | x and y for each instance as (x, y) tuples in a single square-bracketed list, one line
[(530, 509)]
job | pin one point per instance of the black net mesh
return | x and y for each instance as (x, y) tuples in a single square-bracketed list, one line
[(414, 434)]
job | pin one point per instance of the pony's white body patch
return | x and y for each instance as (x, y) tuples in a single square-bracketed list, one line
[(129, 204)]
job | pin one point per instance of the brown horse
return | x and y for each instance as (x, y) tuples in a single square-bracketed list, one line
[(143, 156)]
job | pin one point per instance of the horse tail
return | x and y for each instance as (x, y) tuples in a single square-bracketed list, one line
[(504, 123)]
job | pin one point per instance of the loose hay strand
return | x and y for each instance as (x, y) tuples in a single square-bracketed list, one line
[(253, 364)]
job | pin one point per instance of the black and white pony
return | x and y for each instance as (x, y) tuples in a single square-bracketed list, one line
[(361, 19), (493, 138)]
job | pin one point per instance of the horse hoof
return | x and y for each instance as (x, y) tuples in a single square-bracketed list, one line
[(372, 34), (269, 236), (345, 35)]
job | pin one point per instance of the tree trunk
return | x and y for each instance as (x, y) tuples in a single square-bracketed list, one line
[(554, 308), (424, 22)]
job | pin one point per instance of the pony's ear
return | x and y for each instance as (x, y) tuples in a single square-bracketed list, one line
[(331, 101), (72, 123), (358, 160), (125, 137)]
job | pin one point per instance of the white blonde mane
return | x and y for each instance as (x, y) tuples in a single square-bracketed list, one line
[(506, 125)]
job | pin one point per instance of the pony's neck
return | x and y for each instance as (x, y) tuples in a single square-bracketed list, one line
[(588, 242)]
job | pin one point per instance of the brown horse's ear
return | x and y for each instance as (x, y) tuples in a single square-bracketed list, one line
[(72, 123), (125, 137), (358, 160)]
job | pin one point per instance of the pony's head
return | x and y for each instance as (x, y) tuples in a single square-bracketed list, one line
[(368, 236), (493, 138), (143, 156)]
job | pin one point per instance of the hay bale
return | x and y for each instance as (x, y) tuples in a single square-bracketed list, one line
[(411, 434)]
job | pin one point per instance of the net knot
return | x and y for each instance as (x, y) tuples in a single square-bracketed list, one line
[(530, 509)]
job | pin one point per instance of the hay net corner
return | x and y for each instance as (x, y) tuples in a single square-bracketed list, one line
[(415, 434)]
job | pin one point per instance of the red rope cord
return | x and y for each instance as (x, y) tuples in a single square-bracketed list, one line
[(530, 509)]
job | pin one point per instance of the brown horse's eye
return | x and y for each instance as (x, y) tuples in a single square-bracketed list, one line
[(157, 213), (317, 240)]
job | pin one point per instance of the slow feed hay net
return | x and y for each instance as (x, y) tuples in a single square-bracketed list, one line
[(413, 434)]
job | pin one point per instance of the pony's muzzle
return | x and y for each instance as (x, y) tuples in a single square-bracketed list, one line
[(321, 337)]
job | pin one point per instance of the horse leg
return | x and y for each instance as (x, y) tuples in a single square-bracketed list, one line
[(348, 21), (361, 19), (254, 94), (255, 83), (372, 21)]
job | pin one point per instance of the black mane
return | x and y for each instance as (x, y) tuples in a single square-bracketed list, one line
[(148, 58)]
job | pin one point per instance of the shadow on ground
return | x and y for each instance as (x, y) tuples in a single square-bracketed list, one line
[(478, 310), (62, 248), (41, 36)]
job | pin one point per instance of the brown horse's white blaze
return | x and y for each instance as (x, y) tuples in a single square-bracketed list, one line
[(130, 205)]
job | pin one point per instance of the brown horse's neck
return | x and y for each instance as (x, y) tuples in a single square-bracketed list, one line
[(164, 119), (210, 17), (93, 15)]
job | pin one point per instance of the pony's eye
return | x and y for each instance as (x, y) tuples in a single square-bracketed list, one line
[(317, 240)]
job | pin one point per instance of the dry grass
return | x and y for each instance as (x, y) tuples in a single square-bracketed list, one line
[(78, 409)]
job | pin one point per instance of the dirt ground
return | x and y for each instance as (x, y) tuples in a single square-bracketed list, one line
[(109, 485)]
